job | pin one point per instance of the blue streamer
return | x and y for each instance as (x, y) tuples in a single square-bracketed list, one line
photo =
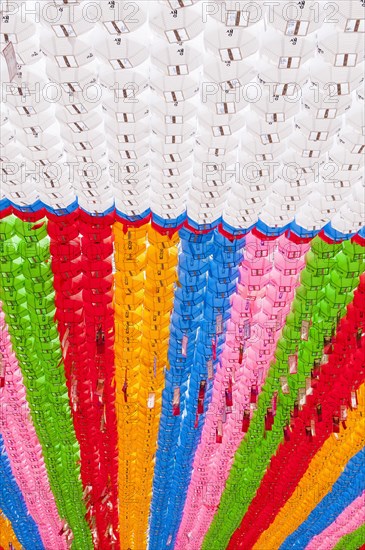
[(347, 488), (185, 321), (13, 505), (208, 272), (265, 229)]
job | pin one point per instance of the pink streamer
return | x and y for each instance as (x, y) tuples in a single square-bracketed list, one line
[(24, 450), (268, 278), (351, 519)]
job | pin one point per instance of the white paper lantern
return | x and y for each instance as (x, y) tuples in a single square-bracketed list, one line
[(133, 206), (69, 20), (309, 218), (343, 49), (48, 150), (168, 182), (355, 118), (66, 53), (274, 215), (265, 132), (344, 165), (173, 61), (120, 111), (26, 88), (223, 80), (322, 106), (230, 48), (221, 125), (292, 193), (178, 27), (284, 54), (22, 34), (85, 142), (172, 134), (293, 19), (178, 4), (353, 143), (9, 152), (310, 149), (317, 129), (124, 132), (257, 151), (172, 153), (173, 168), (350, 17), (78, 122), (275, 111), (97, 204), (239, 219), (121, 16), (336, 81), (125, 86), (121, 55), (233, 13), (175, 89), (300, 167), (70, 87), (35, 123), (128, 152), (164, 187), (172, 113), (288, 204), (7, 135), (283, 82), (216, 150), (22, 194)]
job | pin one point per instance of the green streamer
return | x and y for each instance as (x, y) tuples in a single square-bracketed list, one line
[(327, 283), (26, 284), (352, 541)]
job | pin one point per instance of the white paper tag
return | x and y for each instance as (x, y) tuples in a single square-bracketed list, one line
[(304, 332), (274, 403), (302, 398), (10, 58), (2, 366), (210, 369), (65, 336), (176, 402), (284, 385), (353, 400), (313, 428), (293, 364), (308, 386), (219, 323), (184, 345), (247, 330), (151, 401), (279, 320), (343, 413), (260, 375), (220, 427)]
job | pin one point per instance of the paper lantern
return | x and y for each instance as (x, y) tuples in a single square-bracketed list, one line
[(117, 19), (173, 62), (294, 20), (21, 34), (123, 55), (177, 28), (229, 48)]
